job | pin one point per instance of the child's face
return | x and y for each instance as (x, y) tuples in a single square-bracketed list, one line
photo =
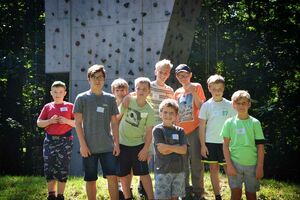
[(162, 73), (120, 93), (216, 90), (168, 115), (242, 105), (58, 94), (97, 81), (142, 90), (184, 78)]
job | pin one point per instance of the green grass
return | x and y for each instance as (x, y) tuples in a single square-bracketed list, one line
[(34, 188)]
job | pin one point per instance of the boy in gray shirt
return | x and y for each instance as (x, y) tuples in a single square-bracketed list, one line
[(95, 113)]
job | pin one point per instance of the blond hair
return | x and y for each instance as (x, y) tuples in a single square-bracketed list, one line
[(142, 80), (163, 63), (119, 83), (215, 79), (240, 94), (59, 84)]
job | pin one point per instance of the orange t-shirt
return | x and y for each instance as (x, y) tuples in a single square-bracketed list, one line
[(188, 111)]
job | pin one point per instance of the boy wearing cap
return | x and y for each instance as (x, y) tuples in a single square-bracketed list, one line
[(190, 98)]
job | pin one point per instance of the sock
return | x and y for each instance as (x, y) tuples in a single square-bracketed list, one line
[(52, 193)]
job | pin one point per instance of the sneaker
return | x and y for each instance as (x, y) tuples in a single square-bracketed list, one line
[(121, 195), (52, 197), (218, 197), (141, 191), (60, 197)]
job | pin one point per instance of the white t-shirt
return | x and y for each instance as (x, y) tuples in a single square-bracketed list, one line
[(215, 114)]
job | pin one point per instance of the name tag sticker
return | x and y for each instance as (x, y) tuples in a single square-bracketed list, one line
[(63, 109), (175, 137), (100, 109), (240, 131), (144, 115)]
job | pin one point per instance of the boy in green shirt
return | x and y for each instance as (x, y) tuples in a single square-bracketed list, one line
[(243, 148), (135, 138)]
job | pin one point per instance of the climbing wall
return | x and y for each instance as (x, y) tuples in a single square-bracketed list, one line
[(126, 36)]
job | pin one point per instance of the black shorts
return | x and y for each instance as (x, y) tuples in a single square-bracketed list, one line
[(215, 154), (128, 159)]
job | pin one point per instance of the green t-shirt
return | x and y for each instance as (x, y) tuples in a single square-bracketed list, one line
[(134, 122), (243, 135)]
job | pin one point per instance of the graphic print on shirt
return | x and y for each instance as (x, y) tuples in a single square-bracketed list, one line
[(133, 117), (186, 108)]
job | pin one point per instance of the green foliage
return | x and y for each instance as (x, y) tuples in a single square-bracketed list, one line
[(255, 46)]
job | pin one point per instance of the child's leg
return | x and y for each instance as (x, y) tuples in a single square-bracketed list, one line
[(125, 181), (214, 177), (51, 186), (91, 190), (251, 195), (61, 187), (112, 183), (236, 194), (147, 184)]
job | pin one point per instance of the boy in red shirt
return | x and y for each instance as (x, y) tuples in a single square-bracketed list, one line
[(58, 120)]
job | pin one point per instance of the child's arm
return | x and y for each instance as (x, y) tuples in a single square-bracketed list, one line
[(44, 123), (115, 132), (166, 149), (231, 171), (260, 161), (202, 126), (84, 150), (197, 95), (143, 154)]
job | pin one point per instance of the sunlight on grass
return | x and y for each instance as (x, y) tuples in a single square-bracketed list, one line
[(34, 188)]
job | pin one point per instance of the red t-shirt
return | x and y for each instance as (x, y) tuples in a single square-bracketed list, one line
[(65, 109)]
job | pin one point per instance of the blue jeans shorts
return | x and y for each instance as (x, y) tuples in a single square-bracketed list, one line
[(90, 165), (246, 175), (169, 185)]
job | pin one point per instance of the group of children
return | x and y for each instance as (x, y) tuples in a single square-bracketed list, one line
[(178, 131)]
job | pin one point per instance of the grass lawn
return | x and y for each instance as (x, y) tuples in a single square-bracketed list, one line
[(34, 188)]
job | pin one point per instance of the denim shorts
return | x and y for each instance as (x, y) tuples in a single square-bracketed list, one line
[(169, 185), (90, 165), (57, 156), (246, 175), (128, 159)]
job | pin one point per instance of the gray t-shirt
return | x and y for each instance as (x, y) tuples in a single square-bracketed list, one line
[(97, 111), (171, 163)]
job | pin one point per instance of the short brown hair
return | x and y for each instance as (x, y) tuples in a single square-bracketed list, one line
[(143, 80), (169, 103), (95, 69), (240, 94), (59, 84), (215, 79)]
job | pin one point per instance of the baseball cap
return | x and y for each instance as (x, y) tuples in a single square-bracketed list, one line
[(182, 68)]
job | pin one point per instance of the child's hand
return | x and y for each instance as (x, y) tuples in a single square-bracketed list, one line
[(143, 155), (231, 171), (62, 120), (84, 151), (259, 173), (53, 119), (204, 151), (116, 150), (192, 87)]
